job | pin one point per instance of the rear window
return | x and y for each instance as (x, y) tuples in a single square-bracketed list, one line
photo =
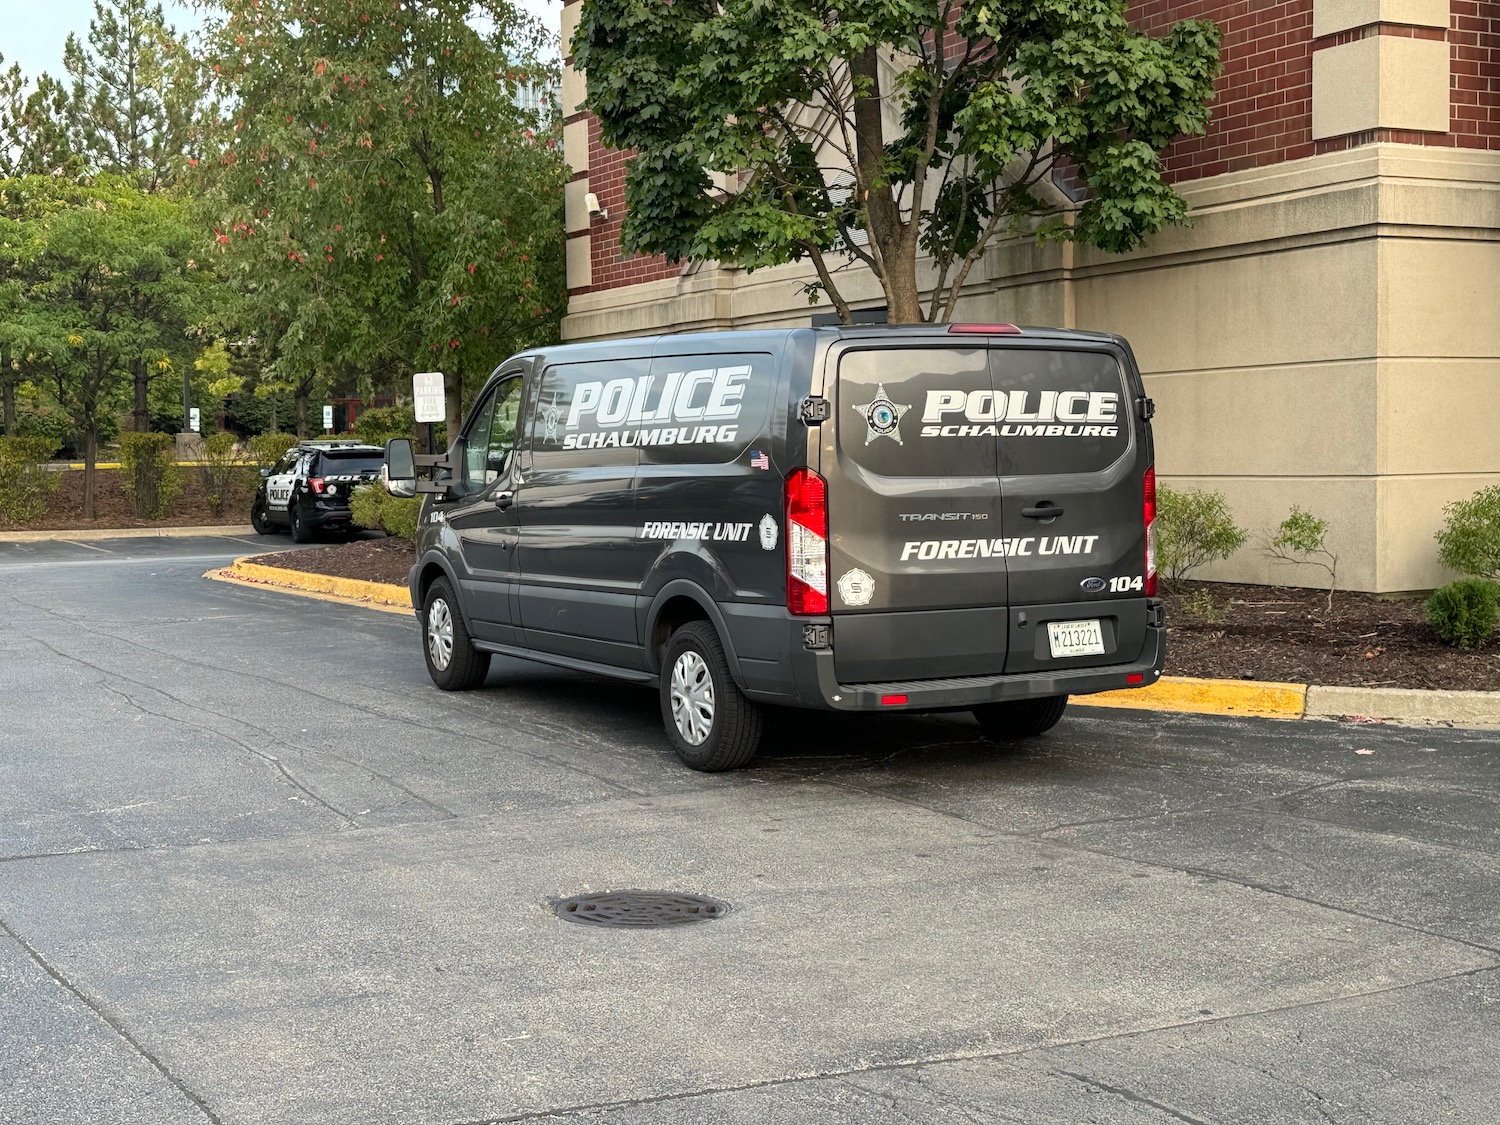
[(335, 464), (966, 412)]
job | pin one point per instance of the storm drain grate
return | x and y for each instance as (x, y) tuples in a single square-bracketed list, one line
[(639, 909)]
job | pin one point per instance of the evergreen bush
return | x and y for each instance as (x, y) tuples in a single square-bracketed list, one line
[(1464, 613)]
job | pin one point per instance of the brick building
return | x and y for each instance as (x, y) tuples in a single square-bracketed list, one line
[(1324, 333)]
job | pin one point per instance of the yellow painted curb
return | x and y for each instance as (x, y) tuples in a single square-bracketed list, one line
[(324, 587), (1207, 697)]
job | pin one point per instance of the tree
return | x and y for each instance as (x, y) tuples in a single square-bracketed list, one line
[(135, 92), (93, 279), (382, 204), (870, 131), (34, 127)]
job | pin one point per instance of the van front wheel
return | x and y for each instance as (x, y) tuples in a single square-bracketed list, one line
[(710, 723), (452, 660), (1023, 718)]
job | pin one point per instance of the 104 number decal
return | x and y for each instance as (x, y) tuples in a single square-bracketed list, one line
[(1124, 583)]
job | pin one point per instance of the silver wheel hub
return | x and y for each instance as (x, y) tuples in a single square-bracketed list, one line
[(440, 634), (692, 698)]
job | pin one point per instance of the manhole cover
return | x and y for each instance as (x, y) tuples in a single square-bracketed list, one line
[(639, 909)]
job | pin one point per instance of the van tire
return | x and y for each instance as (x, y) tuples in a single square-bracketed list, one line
[(694, 657), (1023, 718), (466, 666)]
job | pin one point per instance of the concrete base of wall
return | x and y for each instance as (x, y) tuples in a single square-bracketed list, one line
[(1323, 333)]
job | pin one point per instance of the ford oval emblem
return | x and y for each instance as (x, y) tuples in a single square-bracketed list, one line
[(1093, 585)]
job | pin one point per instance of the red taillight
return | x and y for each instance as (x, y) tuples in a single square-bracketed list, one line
[(1134, 678), (806, 542), (985, 329), (1149, 513), (893, 701), (316, 484)]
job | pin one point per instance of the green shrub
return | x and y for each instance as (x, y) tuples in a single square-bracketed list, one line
[(1201, 606), (381, 422), (266, 449), (148, 470), (218, 469), (1303, 538), (1464, 613), (1470, 539), (25, 482), (373, 507), (1193, 527)]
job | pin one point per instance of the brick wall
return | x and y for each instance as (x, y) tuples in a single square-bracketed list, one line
[(1262, 109), (1262, 112)]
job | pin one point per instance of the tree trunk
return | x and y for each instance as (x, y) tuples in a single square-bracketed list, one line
[(90, 455), (301, 407), (273, 416), (453, 386), (141, 421), (895, 250), (8, 392)]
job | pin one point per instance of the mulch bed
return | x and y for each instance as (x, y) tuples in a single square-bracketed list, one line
[(1288, 634), (1268, 632), (112, 507), (372, 560)]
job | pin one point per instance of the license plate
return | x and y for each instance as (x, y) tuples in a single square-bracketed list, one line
[(1075, 638)]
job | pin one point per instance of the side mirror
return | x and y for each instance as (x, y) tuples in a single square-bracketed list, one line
[(265, 473), (400, 470)]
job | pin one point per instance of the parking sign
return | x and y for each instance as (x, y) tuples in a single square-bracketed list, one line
[(427, 394), (328, 417)]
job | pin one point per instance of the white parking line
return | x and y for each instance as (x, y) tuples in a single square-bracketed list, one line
[(89, 546)]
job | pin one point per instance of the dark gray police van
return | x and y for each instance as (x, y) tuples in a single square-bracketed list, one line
[(909, 518)]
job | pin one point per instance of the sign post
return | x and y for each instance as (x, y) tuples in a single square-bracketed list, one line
[(430, 402)]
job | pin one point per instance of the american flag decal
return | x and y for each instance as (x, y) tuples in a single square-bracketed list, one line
[(759, 460)]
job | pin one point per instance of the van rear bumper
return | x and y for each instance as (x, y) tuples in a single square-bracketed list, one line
[(961, 693)]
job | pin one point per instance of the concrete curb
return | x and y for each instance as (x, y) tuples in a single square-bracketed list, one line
[(1183, 694), (213, 529), (324, 587)]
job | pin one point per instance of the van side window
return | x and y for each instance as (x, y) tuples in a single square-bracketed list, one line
[(491, 437), (582, 413), (704, 409)]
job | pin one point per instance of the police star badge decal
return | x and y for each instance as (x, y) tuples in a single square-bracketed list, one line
[(882, 417)]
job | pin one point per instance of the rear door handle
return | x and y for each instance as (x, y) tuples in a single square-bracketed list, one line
[(1043, 511), (504, 500)]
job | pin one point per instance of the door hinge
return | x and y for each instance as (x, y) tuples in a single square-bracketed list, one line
[(1146, 407), (815, 410)]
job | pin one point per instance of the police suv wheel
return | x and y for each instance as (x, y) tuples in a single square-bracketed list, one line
[(259, 520), (709, 722), (452, 660), (301, 532), (1023, 718)]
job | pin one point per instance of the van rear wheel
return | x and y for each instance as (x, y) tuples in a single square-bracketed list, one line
[(1023, 718), (710, 723)]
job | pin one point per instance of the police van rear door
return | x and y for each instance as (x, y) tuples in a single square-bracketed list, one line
[(1073, 454), (917, 584)]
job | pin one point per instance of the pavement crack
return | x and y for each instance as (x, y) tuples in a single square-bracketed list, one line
[(112, 1021), (1130, 1096), (911, 1065), (271, 759)]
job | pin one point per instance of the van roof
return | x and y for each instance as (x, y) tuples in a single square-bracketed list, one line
[(770, 337)]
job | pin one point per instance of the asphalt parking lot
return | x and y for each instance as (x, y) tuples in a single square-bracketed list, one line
[(255, 869)]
